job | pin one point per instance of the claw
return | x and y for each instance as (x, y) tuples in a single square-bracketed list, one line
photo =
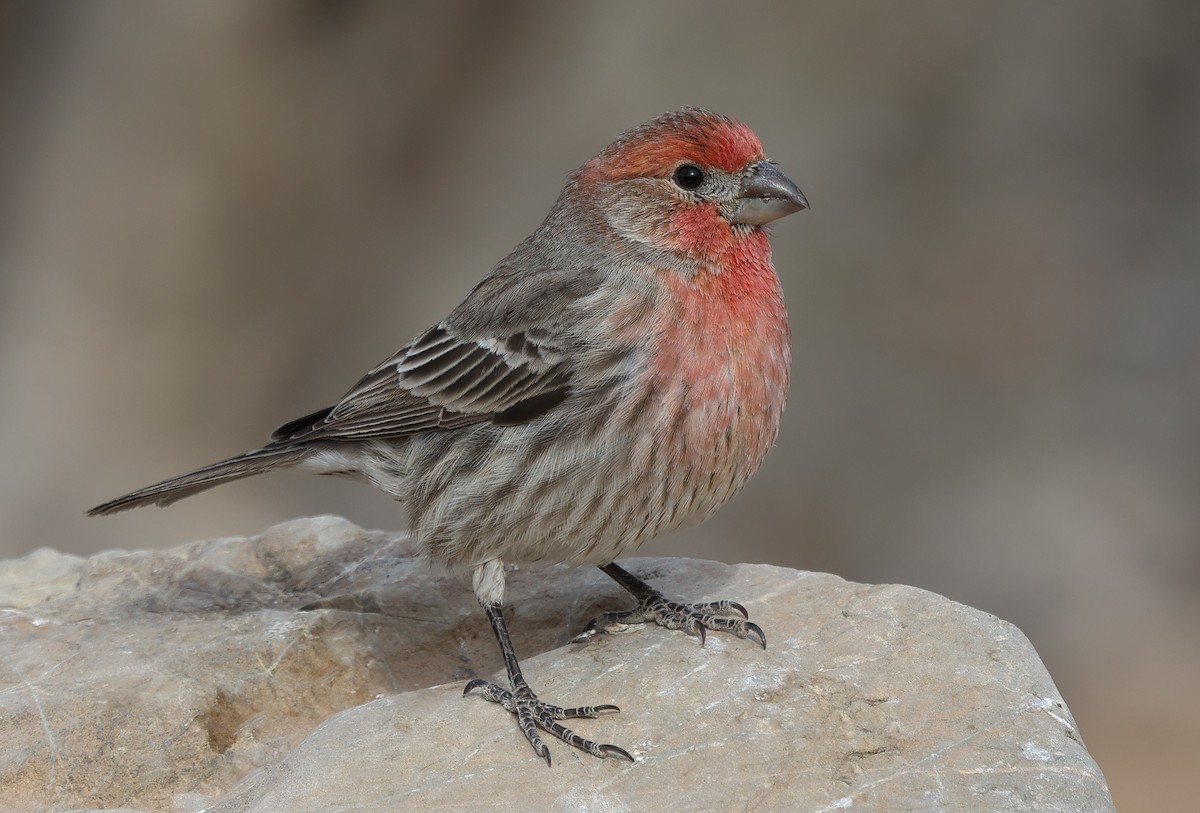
[(614, 750), (590, 712), (754, 630), (733, 605)]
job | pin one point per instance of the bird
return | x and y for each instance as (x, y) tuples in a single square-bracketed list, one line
[(620, 374)]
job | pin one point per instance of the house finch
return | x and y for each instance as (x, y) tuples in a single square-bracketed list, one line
[(619, 375)]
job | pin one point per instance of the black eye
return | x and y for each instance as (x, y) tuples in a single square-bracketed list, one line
[(689, 176)]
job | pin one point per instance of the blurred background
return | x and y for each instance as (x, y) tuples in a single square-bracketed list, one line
[(214, 216)]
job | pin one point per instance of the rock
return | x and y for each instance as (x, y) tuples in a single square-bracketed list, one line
[(38, 576), (193, 679)]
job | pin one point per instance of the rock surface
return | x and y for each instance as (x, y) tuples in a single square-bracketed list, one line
[(192, 680)]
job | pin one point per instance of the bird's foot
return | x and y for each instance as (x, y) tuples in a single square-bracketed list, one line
[(533, 714), (694, 619)]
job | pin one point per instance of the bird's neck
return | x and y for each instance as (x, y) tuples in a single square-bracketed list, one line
[(729, 276)]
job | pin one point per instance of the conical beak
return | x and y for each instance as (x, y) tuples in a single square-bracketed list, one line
[(766, 194)]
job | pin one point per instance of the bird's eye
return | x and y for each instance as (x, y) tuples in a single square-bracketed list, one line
[(689, 176)]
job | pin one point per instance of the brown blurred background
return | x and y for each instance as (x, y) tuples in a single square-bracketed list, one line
[(215, 215)]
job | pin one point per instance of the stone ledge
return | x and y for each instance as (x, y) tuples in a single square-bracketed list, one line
[(190, 679)]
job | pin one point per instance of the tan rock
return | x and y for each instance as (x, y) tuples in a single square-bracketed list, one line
[(190, 679)]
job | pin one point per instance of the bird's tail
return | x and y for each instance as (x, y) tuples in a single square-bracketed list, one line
[(185, 485)]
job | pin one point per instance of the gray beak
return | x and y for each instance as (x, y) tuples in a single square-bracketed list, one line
[(766, 194)]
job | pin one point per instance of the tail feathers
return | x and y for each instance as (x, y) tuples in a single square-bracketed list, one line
[(185, 485)]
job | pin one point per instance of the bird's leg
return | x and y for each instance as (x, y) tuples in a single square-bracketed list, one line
[(531, 712), (694, 619)]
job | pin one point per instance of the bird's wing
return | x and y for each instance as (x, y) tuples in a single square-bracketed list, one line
[(503, 366)]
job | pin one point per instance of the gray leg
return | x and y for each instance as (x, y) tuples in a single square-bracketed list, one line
[(531, 712)]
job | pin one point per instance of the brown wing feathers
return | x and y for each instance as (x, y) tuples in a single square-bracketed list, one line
[(440, 381)]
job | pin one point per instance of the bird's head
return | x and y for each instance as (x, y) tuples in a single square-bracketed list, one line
[(690, 182)]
